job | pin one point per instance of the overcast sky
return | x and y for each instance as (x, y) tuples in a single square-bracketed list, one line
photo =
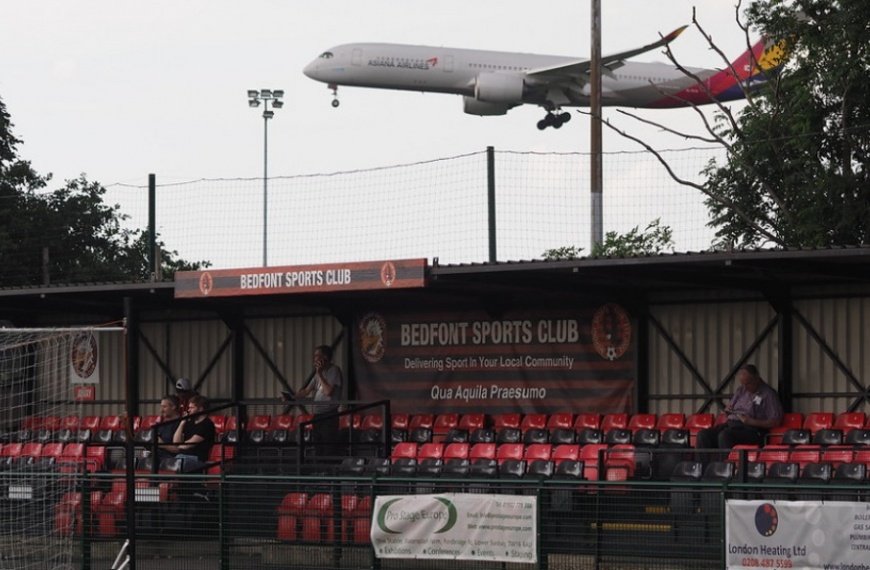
[(119, 89)]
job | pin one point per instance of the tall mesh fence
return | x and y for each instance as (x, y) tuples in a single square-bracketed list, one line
[(429, 209)]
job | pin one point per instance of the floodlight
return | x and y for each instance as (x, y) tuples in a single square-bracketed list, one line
[(253, 93), (253, 102), (265, 93), (277, 104), (278, 93)]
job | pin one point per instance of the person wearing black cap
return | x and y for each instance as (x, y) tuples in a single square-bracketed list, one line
[(185, 392)]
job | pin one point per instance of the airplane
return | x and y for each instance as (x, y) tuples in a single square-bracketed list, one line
[(493, 82)]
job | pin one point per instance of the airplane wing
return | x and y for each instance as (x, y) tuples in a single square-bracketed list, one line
[(578, 72)]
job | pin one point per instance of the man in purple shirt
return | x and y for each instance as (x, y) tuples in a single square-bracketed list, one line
[(753, 410)]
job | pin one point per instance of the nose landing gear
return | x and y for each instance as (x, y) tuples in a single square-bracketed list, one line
[(554, 120), (335, 101)]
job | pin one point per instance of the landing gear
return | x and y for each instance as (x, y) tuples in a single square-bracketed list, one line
[(554, 120), (335, 101)]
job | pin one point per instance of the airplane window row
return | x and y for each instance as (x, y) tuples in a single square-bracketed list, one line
[(507, 67)]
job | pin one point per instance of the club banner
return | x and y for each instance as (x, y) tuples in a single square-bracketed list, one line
[(541, 361), (453, 526), (830, 535), (84, 358)]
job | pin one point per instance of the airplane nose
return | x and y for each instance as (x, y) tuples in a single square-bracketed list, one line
[(310, 70)]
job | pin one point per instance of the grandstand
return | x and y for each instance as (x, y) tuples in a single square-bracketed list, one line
[(575, 385)]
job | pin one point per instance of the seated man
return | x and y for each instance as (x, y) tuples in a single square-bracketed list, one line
[(195, 435), (753, 410)]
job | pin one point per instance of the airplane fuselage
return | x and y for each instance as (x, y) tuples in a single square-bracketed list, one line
[(459, 71)]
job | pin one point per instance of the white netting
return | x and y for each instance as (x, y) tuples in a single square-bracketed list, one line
[(46, 382)]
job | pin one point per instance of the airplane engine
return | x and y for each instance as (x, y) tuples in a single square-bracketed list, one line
[(499, 88), (474, 107)]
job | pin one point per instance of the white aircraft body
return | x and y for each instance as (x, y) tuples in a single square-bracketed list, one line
[(493, 82)]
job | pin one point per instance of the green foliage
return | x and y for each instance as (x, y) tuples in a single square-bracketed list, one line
[(655, 239), (81, 238), (797, 173), (568, 252)]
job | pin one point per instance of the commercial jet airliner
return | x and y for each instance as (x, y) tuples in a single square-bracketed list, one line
[(492, 82)]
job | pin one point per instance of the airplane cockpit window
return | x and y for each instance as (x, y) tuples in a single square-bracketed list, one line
[(326, 55)]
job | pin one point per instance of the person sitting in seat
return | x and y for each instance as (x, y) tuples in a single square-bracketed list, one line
[(195, 435)]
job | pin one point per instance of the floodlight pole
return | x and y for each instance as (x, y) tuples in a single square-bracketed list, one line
[(255, 97), (597, 181)]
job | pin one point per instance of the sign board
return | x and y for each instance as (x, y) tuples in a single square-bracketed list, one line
[(369, 275)]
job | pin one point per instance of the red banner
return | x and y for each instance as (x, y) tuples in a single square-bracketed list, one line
[(399, 274), (580, 360)]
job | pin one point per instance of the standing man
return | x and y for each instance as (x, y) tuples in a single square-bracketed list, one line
[(326, 386), (753, 410)]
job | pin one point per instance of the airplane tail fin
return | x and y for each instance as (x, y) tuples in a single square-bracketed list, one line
[(748, 71)]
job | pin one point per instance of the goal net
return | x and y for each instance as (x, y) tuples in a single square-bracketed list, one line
[(49, 382)]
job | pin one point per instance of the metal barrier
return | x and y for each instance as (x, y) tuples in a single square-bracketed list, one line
[(268, 520)]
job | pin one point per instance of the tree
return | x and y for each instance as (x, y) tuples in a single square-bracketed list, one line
[(85, 239), (796, 166), (655, 239)]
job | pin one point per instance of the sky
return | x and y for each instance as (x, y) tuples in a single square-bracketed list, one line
[(119, 89)]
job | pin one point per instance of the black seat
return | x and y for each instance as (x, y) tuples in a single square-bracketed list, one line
[(780, 473), (646, 437), (456, 435), (455, 468), (378, 466), (430, 467), (420, 435), (540, 469), (846, 475), (797, 437), (814, 474), (683, 499), (569, 469), (563, 436), (828, 436), (673, 437), (404, 467), (511, 469), (536, 435), (617, 436), (857, 437), (589, 435), (482, 435), (508, 435)]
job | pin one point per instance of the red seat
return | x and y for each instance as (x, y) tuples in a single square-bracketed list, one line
[(538, 451), (482, 451), (70, 423), (533, 421), (110, 423), (372, 421), (804, 454), (260, 421), (220, 423), (91, 423), (30, 452), (95, 458), (32, 423), (430, 450), (289, 515), (589, 455), (442, 424), (232, 423), (471, 422), (587, 421), (619, 462), (456, 451), (50, 452), (507, 451), (697, 422), (399, 421), (614, 421), (751, 452), (671, 420), (71, 457), (344, 421), (406, 449), (849, 420), (566, 451), (774, 453), (51, 423), (68, 512), (508, 420), (362, 521), (281, 422), (148, 422), (790, 420), (862, 455), (642, 421), (421, 421), (836, 455), (815, 421), (560, 420), (317, 519)]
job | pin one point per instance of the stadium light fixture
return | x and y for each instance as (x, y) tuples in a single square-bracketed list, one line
[(266, 96)]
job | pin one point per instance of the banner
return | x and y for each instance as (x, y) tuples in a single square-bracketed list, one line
[(84, 358), (834, 535), (456, 526), (359, 276), (540, 361)]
